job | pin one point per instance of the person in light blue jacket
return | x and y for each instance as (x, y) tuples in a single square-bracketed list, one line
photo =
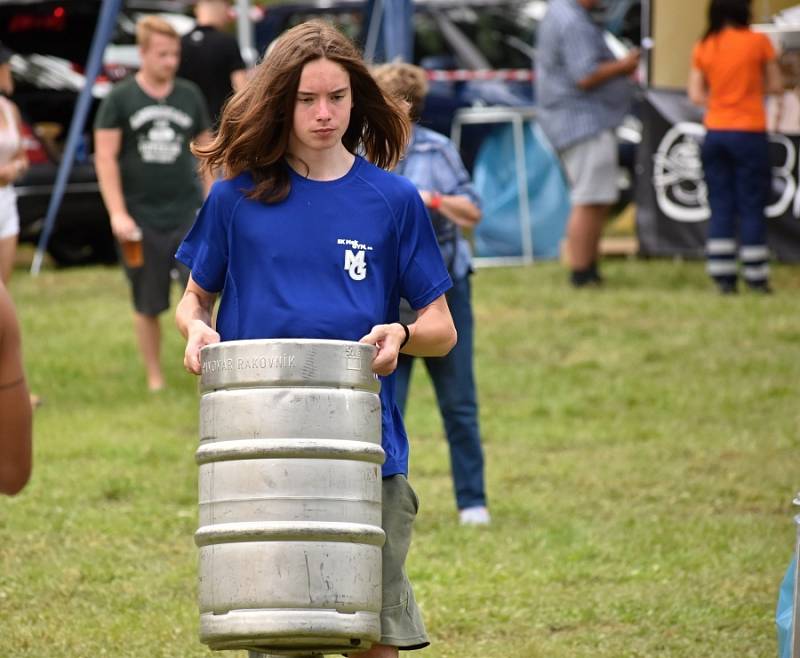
[(434, 165)]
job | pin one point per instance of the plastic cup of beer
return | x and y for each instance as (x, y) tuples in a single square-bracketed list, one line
[(132, 252)]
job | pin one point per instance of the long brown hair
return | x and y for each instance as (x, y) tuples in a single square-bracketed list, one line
[(256, 124)]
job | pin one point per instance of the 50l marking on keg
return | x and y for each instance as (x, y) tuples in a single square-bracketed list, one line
[(353, 358)]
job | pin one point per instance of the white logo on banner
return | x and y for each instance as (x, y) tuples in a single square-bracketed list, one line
[(681, 191)]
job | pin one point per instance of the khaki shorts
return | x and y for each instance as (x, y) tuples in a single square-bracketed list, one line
[(401, 621), (591, 168)]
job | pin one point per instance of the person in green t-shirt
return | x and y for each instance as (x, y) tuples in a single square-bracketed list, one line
[(148, 176)]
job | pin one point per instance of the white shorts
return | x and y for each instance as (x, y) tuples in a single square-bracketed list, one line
[(9, 217), (591, 167)]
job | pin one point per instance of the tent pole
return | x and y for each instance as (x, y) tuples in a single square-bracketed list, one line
[(102, 34), (244, 32)]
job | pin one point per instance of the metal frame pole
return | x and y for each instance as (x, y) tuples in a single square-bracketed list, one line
[(522, 187), (373, 32)]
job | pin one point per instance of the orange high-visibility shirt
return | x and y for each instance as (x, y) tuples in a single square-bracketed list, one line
[(732, 62)]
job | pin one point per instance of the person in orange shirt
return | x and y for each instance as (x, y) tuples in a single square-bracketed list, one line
[(732, 69)]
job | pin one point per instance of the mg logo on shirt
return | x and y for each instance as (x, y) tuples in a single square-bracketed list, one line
[(355, 264), (355, 258)]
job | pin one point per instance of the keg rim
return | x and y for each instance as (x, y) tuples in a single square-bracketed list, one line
[(291, 341)]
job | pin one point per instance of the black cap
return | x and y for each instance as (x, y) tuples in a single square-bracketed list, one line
[(5, 53)]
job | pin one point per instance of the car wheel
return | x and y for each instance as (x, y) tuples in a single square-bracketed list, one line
[(80, 249)]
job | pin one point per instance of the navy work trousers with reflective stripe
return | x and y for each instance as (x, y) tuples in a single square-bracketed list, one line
[(737, 173)]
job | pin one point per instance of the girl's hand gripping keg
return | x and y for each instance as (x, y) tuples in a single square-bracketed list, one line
[(200, 335), (388, 338)]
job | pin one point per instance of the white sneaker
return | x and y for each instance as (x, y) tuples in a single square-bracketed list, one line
[(478, 515)]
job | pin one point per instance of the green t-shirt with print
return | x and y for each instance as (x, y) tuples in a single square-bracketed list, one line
[(159, 174)]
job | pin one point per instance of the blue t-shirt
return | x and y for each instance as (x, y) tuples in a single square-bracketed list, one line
[(330, 261)]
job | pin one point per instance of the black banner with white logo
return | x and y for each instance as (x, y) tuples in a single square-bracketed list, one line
[(671, 196)]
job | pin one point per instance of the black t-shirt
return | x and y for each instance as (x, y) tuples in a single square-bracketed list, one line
[(208, 57)]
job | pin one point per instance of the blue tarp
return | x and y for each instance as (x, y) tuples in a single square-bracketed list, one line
[(500, 232), (783, 615)]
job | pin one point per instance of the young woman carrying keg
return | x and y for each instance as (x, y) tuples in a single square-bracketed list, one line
[(305, 238)]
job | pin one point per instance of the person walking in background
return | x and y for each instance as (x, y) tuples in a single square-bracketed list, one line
[(305, 238), (433, 164), (148, 176), (15, 410), (13, 165), (732, 69), (210, 56), (582, 94)]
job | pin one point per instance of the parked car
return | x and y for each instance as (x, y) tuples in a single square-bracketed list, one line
[(51, 40), (477, 52)]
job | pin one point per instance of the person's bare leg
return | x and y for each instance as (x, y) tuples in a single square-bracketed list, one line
[(148, 333), (377, 651), (8, 249), (584, 229)]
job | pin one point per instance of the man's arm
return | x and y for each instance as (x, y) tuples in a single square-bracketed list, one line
[(107, 144), (431, 334), (193, 317), (451, 193), (607, 70), (15, 404), (697, 89), (458, 208)]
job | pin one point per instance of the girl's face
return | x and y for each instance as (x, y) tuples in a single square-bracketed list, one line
[(322, 107)]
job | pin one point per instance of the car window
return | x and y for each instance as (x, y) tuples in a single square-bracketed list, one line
[(431, 49), (446, 36), (349, 22), (504, 36)]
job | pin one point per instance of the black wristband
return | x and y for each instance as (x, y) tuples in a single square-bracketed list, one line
[(408, 334)]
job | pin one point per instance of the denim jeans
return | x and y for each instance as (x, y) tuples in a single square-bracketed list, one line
[(454, 383), (737, 172)]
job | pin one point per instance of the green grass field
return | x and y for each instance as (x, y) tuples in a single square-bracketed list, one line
[(641, 447)]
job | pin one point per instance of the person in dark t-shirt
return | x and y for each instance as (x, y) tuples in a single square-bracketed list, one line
[(148, 176), (210, 57)]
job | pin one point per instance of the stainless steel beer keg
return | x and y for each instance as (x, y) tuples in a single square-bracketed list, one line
[(290, 497)]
